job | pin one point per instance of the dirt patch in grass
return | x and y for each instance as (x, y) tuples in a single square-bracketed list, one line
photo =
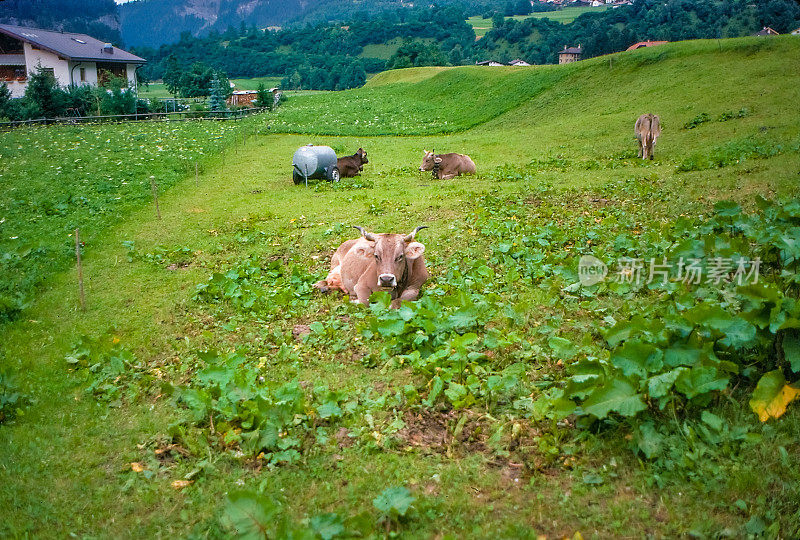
[(438, 431)]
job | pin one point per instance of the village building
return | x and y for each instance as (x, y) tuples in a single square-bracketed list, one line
[(518, 62), (243, 98), (766, 31), (72, 58), (492, 63), (570, 54), (795, 32), (645, 44)]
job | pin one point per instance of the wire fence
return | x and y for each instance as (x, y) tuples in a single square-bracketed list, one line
[(178, 116)]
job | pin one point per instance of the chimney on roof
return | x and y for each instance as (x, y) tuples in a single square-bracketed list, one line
[(108, 48)]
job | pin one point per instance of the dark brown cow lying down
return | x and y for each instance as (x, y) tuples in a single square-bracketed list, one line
[(378, 262), (350, 166), (449, 165)]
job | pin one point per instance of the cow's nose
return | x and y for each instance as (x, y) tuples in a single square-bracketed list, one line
[(387, 280)]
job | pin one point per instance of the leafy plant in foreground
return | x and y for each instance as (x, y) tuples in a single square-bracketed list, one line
[(12, 401), (685, 351)]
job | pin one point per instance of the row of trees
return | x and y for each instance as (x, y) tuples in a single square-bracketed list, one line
[(45, 98), (340, 76), (194, 81), (325, 56)]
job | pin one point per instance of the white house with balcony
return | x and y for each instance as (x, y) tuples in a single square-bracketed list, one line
[(71, 58)]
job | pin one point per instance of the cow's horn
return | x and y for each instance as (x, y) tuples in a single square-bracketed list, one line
[(364, 233), (411, 236)]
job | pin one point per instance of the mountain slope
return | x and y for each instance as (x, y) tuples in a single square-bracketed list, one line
[(153, 22), (97, 18)]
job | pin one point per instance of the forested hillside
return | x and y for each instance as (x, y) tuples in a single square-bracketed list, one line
[(539, 40), (333, 56), (98, 18), (323, 56)]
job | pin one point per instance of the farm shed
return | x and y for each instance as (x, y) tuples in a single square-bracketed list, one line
[(71, 58), (766, 31), (570, 54), (243, 98)]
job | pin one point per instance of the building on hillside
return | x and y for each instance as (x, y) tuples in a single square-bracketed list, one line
[(492, 63), (570, 54), (795, 32), (71, 58), (645, 44), (518, 62), (242, 98), (766, 31)]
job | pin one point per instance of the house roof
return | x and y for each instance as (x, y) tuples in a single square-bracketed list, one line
[(571, 50), (645, 44), (766, 31), (76, 47)]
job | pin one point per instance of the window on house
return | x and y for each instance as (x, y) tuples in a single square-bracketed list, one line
[(83, 74), (12, 73), (49, 71)]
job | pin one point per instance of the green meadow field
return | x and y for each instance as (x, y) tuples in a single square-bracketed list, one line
[(564, 16), (208, 390)]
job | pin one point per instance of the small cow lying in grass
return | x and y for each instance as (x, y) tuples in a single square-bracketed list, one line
[(378, 262), (350, 166), (446, 166)]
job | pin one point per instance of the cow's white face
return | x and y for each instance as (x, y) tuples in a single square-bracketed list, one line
[(392, 255), (428, 161)]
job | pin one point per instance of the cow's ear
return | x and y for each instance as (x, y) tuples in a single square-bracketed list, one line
[(414, 250), (365, 251), (437, 160)]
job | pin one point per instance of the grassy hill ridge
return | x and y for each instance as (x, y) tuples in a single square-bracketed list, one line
[(427, 101)]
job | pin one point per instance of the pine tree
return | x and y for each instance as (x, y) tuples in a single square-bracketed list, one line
[(216, 100)]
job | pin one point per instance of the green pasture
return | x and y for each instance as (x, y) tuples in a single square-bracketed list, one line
[(137, 417), (563, 16), (157, 90), (154, 90), (252, 84)]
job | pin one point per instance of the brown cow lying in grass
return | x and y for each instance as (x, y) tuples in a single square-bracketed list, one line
[(446, 166), (378, 262), (350, 166)]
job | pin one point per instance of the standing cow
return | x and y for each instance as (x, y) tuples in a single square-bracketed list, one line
[(647, 129), (378, 262), (446, 166), (350, 166)]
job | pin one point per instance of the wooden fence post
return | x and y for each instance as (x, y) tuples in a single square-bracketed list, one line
[(155, 195), (80, 269)]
